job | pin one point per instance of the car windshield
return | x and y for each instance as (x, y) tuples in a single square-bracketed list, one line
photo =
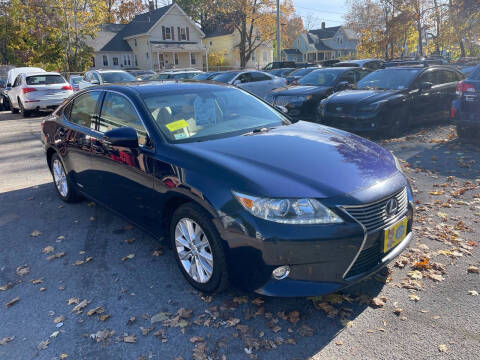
[(45, 80), (203, 76), (389, 79), (116, 77), (225, 77), (203, 114), (301, 72), (320, 78), (184, 76)]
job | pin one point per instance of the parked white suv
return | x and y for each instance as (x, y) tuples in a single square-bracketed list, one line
[(38, 91), (100, 77)]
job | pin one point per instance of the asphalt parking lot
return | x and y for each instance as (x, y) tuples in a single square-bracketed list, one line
[(78, 282)]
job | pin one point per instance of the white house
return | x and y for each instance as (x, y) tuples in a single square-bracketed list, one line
[(161, 38)]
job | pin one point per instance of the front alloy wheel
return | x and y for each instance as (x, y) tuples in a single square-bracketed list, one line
[(194, 250), (65, 189), (198, 248)]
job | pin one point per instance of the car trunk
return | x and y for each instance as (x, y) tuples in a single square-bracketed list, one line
[(471, 97), (46, 87)]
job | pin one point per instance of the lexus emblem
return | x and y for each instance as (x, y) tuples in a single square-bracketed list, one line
[(392, 206)]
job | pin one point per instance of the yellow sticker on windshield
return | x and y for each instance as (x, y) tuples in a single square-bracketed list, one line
[(177, 125)]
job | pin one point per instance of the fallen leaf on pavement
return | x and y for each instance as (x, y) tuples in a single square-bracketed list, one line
[(63, 356), (102, 335), (258, 301), (11, 302), (377, 302), (6, 340), (130, 256), (6, 286), (185, 313), (36, 281), (473, 292), (43, 344), (415, 275), (442, 348), (157, 252), (413, 297), (473, 269), (23, 270), (195, 339), (35, 233), (48, 249), (130, 241), (80, 262), (305, 330), (55, 256), (160, 317), (79, 308), (59, 319), (397, 311), (145, 331), (73, 301), (105, 317), (97, 310), (339, 342), (161, 335), (55, 334), (130, 339)]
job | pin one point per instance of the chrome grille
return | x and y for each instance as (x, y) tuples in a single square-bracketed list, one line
[(374, 216), (282, 100)]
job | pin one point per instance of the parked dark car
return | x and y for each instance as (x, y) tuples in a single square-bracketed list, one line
[(392, 100), (301, 102), (466, 106), (281, 72), (279, 65), (372, 64), (240, 193), (299, 73), (4, 102), (423, 61), (141, 74)]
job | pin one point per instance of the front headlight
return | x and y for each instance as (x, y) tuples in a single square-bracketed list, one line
[(370, 108), (299, 98), (288, 211)]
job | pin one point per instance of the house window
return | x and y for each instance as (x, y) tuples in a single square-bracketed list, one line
[(168, 34), (183, 34), (193, 61), (135, 42), (328, 55), (311, 57), (126, 60), (105, 60), (254, 56), (340, 40), (115, 61), (176, 59), (321, 56), (135, 60)]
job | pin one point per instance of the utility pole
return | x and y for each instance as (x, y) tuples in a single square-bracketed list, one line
[(279, 51)]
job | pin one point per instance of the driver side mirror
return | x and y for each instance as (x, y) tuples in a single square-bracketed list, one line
[(122, 136), (343, 85), (237, 82), (425, 85)]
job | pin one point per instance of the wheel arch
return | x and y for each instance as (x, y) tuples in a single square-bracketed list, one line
[(49, 154)]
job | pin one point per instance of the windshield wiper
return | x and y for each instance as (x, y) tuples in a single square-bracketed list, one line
[(259, 130)]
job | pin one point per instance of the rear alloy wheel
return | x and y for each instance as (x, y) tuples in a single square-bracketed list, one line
[(66, 191), (25, 113), (198, 249), (13, 109)]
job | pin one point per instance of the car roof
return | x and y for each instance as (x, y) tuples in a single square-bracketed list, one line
[(42, 73), (109, 70), (158, 87)]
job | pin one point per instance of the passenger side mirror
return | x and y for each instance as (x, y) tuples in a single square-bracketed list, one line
[(425, 85), (122, 136), (94, 82), (237, 82)]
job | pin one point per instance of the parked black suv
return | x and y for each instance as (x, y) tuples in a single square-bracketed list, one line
[(279, 65), (393, 99), (466, 106), (302, 101)]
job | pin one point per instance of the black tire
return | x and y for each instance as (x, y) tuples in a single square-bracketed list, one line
[(13, 109), (72, 194), (25, 113), (219, 278)]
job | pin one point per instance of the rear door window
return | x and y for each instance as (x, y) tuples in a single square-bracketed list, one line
[(447, 76), (83, 109), (348, 76), (258, 76), (45, 80)]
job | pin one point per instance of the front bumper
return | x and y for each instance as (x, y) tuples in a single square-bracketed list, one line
[(322, 258), (360, 124)]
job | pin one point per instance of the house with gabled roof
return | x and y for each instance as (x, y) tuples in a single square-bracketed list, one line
[(326, 43), (163, 38)]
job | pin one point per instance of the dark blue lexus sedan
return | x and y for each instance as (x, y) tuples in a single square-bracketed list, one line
[(242, 194)]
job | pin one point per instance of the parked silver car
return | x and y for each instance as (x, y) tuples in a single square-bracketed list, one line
[(257, 82), (38, 91), (100, 77)]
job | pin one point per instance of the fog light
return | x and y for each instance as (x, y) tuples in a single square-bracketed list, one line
[(281, 272)]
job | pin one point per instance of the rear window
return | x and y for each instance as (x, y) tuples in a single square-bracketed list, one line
[(45, 80), (475, 74)]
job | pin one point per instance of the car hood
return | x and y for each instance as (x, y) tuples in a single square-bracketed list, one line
[(300, 90), (361, 96), (298, 160)]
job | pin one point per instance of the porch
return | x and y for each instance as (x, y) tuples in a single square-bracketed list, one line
[(178, 56)]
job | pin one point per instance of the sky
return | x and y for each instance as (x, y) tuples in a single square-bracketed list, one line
[(330, 11)]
